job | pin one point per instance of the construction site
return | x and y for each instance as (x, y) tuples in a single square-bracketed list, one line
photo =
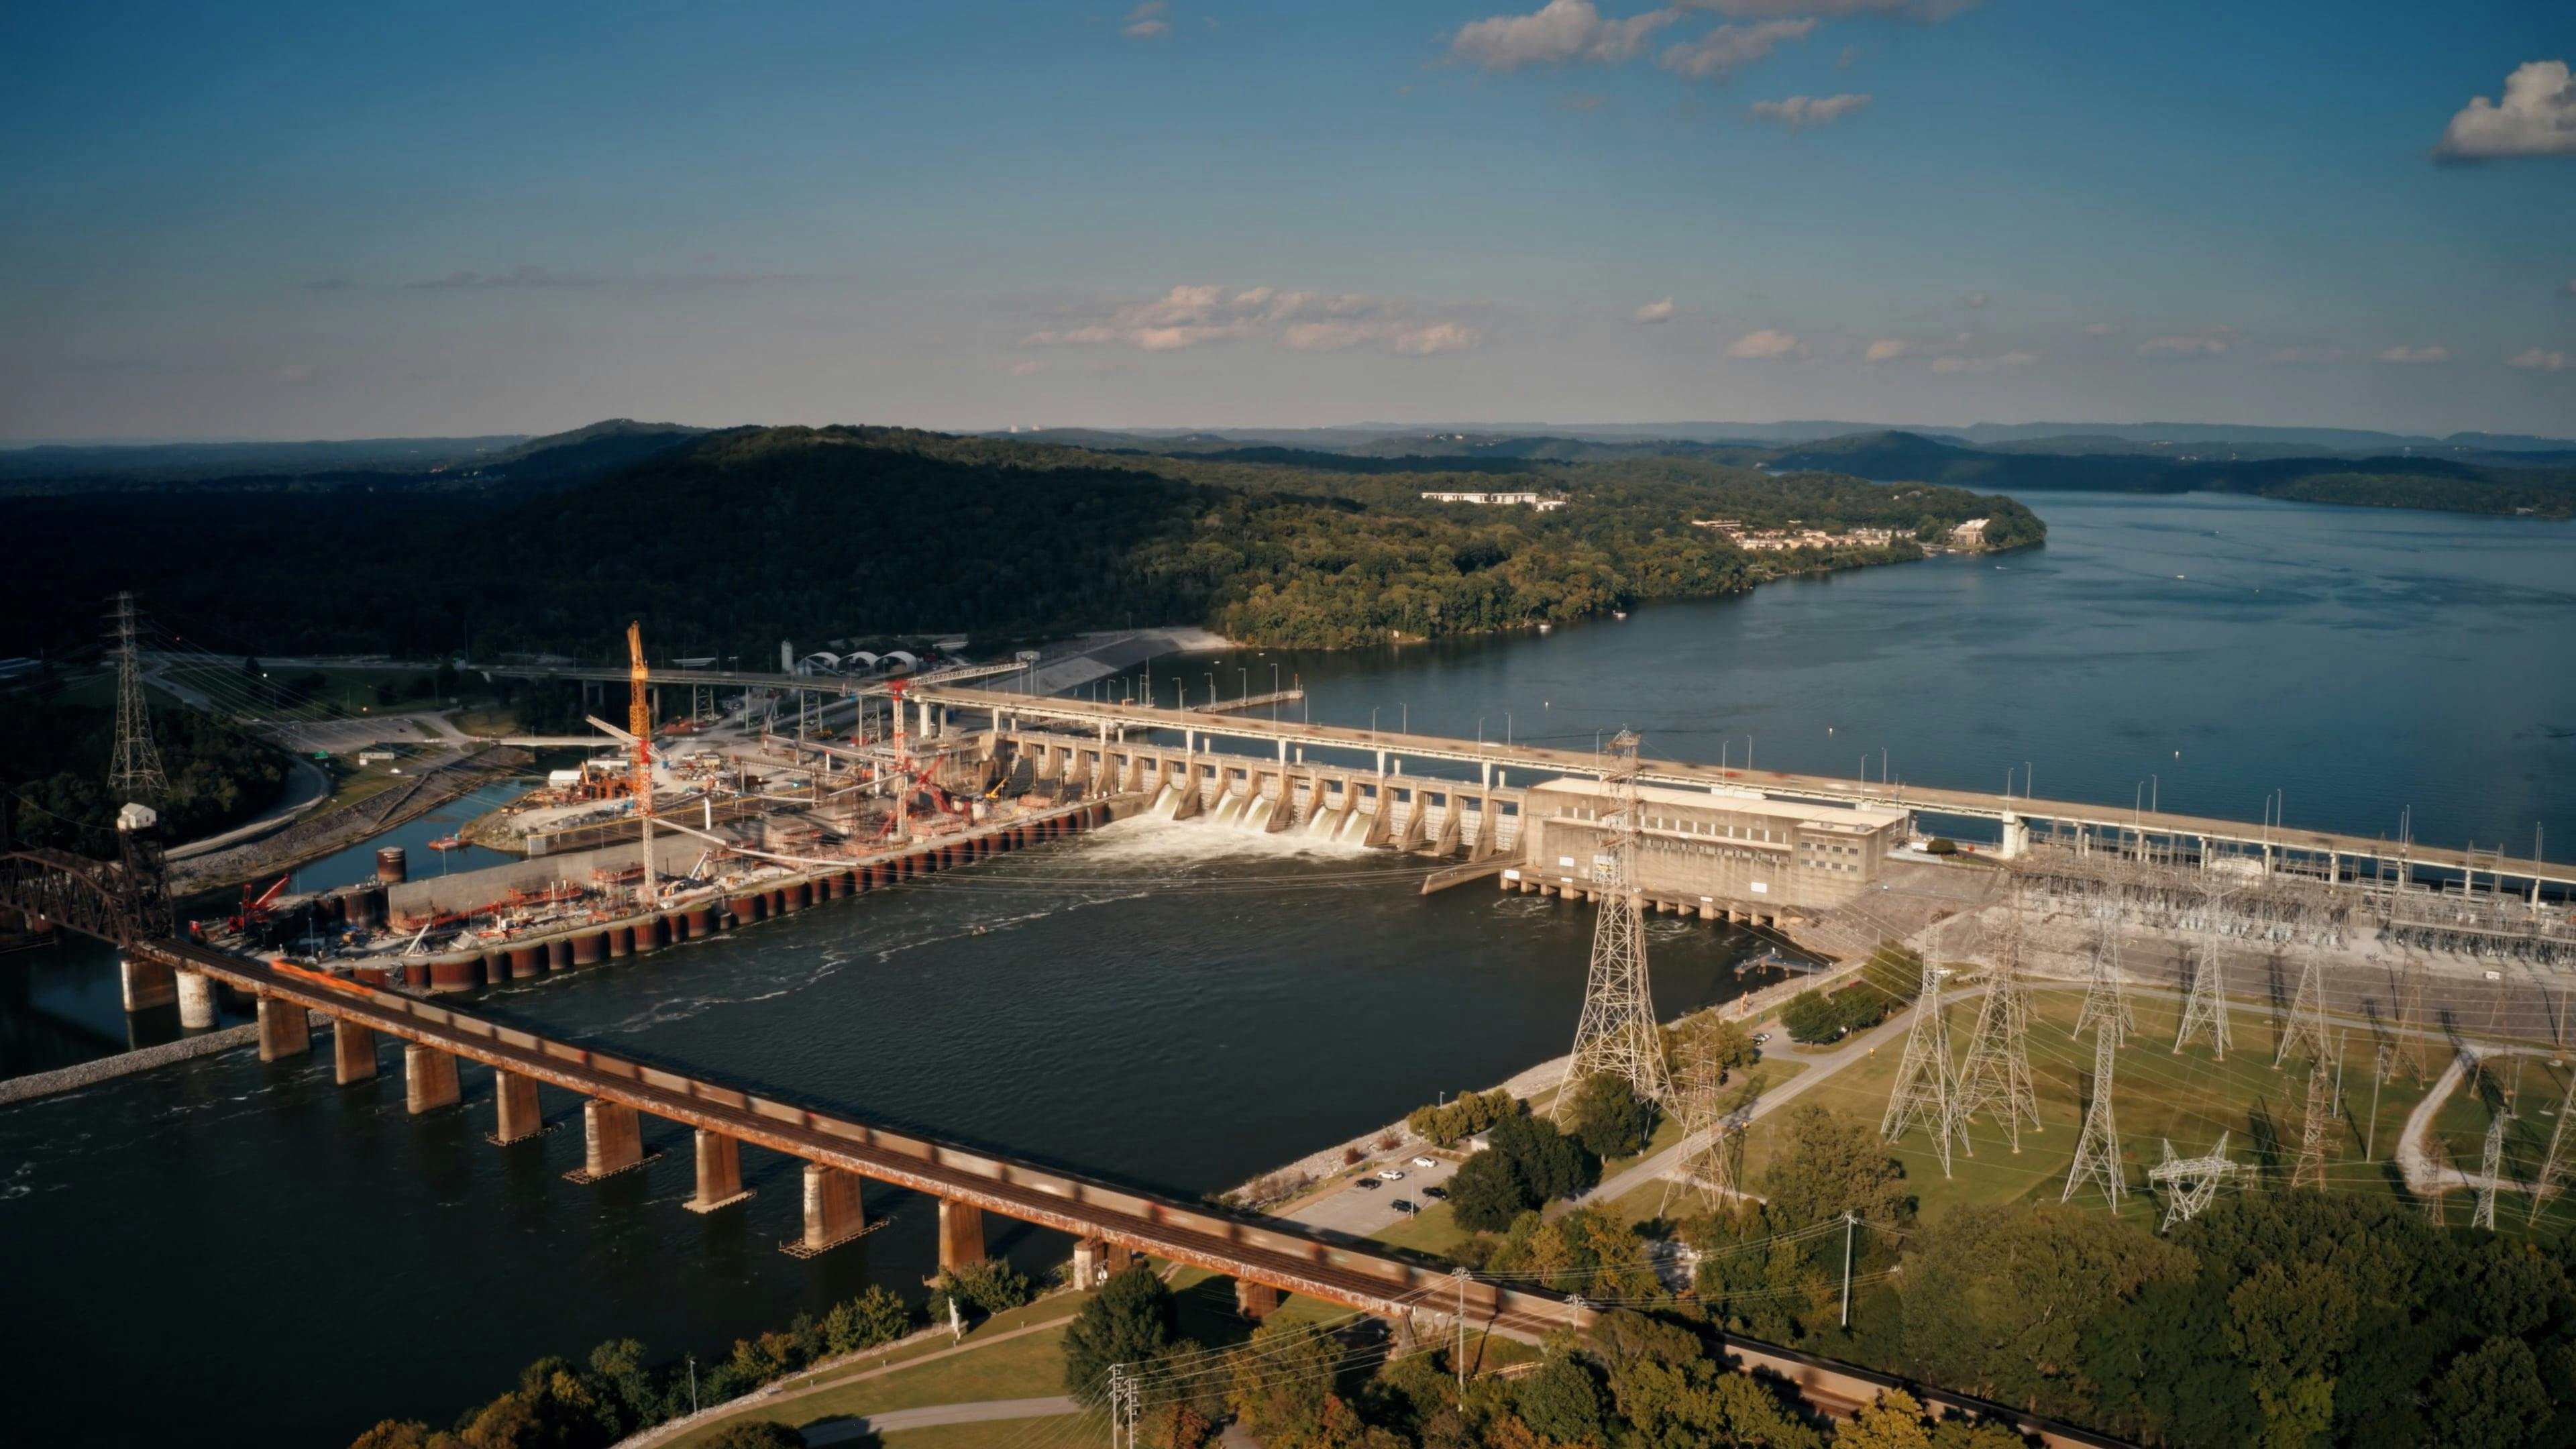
[(654, 843)]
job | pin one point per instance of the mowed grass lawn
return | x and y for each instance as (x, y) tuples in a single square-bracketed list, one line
[(1028, 1367), (2188, 1098)]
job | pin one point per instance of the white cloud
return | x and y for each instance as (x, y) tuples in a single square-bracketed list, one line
[(1728, 46), (2187, 344), (1557, 32), (2304, 355), (2537, 118), (1146, 21), (2100, 329), (1766, 343), (1980, 366), (1800, 112), (2570, 288), (2414, 354), (2535, 360), (1924, 10), (1654, 313), (1888, 349), (1303, 321), (1434, 337)]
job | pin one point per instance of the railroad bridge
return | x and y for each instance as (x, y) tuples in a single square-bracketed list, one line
[(124, 902)]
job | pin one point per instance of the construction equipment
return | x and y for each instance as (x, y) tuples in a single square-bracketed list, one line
[(639, 723), (255, 909)]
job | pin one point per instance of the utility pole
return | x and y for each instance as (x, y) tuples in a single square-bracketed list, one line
[(136, 772), (1617, 1034), (1922, 1092), (1459, 1276), (2097, 1152), (1996, 1071), (1847, 1256), (1122, 1406)]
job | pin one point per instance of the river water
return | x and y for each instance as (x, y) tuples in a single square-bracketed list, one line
[(1183, 1006)]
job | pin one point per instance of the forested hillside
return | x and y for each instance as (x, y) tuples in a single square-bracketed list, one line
[(728, 543)]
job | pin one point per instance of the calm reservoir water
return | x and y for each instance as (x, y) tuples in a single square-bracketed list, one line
[(1183, 1007)]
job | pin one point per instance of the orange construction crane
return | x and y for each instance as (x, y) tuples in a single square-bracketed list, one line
[(639, 723)]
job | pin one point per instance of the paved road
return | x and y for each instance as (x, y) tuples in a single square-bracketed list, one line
[(758, 1405), (845, 1431), (1890, 1034)]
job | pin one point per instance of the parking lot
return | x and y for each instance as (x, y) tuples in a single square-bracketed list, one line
[(1361, 1211)]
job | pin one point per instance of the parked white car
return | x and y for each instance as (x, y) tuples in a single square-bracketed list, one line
[(1390, 1174), (1424, 1162)]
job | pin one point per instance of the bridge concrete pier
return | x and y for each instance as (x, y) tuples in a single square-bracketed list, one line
[(613, 1140), (147, 983), (719, 1173), (1255, 1301), (1097, 1260), (834, 1213), (284, 1030), (196, 1000), (353, 1052), (514, 1107), (429, 1079), (961, 1234)]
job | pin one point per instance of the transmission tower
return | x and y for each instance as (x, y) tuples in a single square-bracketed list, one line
[(2553, 1166), (2206, 1008), (1617, 1035), (1708, 1168), (136, 772), (2105, 1001), (2490, 1168), (2410, 1019), (2190, 1183), (1996, 1071), (1924, 1092), (2307, 1024), (2310, 1171), (2097, 1152)]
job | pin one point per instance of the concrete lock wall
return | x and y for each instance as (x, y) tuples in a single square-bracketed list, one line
[(414, 902)]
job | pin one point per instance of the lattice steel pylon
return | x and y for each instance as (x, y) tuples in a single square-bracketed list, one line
[(1617, 1034), (2410, 1019), (2097, 1152), (2191, 1183), (1996, 1071), (2310, 1170), (136, 771), (2554, 1166), (2205, 1010), (1924, 1091), (2105, 997), (2490, 1169), (1708, 1170), (2307, 1023)]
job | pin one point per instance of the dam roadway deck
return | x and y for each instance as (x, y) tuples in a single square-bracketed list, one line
[(2105, 822)]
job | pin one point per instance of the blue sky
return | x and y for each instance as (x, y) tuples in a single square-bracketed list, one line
[(336, 221)]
